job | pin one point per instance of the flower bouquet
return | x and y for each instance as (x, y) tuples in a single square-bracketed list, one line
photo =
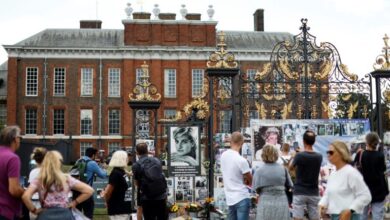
[(172, 209), (193, 209)]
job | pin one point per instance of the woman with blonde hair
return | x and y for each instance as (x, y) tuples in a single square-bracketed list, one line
[(118, 192), (53, 187), (270, 181), (346, 193)]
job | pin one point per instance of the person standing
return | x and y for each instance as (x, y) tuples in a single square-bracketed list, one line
[(118, 192), (37, 155), (10, 189), (151, 184), (270, 181), (92, 169), (307, 166), (236, 173), (373, 167), (53, 187), (346, 193)]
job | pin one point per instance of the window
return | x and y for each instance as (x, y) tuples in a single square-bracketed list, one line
[(83, 147), (197, 82), (253, 89), (114, 85), (169, 113), (59, 121), (86, 121), (170, 83), (31, 121), (32, 81), (114, 121), (225, 87), (112, 147), (59, 82), (3, 115), (138, 74), (225, 121), (86, 82)]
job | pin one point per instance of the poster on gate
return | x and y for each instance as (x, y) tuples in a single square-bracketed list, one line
[(278, 132), (184, 150)]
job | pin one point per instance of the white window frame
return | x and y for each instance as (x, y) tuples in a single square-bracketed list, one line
[(251, 73), (31, 124), (86, 83), (32, 81), (84, 114), (170, 83), (170, 113), (56, 119), (114, 82), (224, 122), (83, 147), (197, 82), (110, 122), (58, 82)]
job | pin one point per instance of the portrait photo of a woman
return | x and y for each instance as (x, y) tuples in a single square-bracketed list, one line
[(184, 146)]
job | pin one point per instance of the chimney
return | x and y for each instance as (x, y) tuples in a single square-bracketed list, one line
[(141, 15), (167, 16), (259, 19), (91, 24), (193, 16)]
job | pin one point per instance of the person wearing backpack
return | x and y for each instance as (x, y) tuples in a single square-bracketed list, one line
[(151, 184), (91, 169)]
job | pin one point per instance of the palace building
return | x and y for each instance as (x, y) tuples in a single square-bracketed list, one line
[(75, 83)]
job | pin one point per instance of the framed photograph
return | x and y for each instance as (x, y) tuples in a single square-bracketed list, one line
[(267, 135), (184, 150), (184, 189)]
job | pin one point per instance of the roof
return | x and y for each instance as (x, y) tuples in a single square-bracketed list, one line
[(111, 38)]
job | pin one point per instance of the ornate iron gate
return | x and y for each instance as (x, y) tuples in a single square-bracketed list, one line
[(304, 81)]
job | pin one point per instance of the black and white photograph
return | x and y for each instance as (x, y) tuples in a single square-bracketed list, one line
[(200, 181), (201, 188), (246, 151), (170, 184), (184, 189), (329, 129), (321, 130), (184, 150)]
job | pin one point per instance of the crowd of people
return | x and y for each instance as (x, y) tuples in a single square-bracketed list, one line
[(48, 195), (356, 189)]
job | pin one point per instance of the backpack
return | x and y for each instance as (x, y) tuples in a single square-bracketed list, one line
[(153, 182), (79, 169)]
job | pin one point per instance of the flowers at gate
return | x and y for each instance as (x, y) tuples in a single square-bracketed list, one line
[(199, 106), (172, 208), (193, 207), (208, 205)]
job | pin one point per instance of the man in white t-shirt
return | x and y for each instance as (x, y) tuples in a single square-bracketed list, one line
[(236, 175)]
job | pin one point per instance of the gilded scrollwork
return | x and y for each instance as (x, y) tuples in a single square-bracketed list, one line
[(221, 58), (262, 74), (324, 70), (144, 90), (352, 109), (286, 69), (351, 76)]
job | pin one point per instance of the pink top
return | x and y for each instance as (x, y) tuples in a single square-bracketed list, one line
[(55, 198)]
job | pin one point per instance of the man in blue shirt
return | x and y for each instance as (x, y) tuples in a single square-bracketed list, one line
[(92, 169)]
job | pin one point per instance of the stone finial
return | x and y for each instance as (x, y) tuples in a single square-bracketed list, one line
[(183, 12), (156, 11), (210, 12), (128, 10)]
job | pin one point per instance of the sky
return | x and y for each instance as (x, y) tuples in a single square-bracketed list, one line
[(355, 27)]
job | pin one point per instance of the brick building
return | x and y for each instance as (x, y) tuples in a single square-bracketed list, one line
[(74, 83)]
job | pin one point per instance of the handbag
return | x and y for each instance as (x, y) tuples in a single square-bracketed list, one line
[(56, 213), (288, 189), (358, 165)]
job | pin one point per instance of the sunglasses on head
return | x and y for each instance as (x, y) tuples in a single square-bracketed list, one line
[(330, 152)]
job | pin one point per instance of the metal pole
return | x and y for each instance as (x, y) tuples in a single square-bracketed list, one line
[(133, 159), (379, 107), (210, 138), (234, 117), (305, 60)]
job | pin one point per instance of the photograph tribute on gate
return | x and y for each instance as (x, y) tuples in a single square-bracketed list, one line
[(184, 150)]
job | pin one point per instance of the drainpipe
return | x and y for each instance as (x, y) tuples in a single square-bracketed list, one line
[(45, 77), (100, 101)]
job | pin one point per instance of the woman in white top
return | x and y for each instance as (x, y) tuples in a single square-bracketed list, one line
[(37, 155), (346, 193)]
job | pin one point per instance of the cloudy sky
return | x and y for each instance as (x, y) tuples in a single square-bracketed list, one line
[(355, 27)]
